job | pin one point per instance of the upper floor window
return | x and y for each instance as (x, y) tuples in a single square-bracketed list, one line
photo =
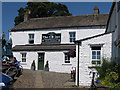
[(96, 55), (31, 38), (72, 36), (67, 58), (118, 6), (23, 57)]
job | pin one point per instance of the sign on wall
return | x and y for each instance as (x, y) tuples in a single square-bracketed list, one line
[(51, 38)]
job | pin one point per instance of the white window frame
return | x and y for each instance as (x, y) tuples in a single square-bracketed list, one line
[(68, 58), (72, 37), (23, 57), (30, 38), (97, 61)]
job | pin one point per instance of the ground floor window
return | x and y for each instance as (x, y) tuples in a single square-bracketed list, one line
[(67, 58), (23, 57), (96, 55)]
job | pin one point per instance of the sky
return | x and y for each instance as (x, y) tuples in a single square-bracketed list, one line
[(9, 11)]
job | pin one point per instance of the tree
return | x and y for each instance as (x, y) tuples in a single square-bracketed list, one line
[(42, 9)]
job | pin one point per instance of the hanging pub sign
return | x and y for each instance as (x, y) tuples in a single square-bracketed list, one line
[(72, 53), (51, 38)]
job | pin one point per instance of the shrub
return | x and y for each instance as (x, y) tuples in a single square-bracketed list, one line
[(47, 65), (109, 74)]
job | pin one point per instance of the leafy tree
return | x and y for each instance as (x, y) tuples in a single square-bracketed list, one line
[(42, 9)]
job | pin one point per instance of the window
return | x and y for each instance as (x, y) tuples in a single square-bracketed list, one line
[(118, 6), (72, 36), (67, 58), (96, 55), (31, 38), (23, 57)]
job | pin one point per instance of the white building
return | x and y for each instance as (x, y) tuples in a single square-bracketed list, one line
[(90, 52), (113, 26), (51, 38)]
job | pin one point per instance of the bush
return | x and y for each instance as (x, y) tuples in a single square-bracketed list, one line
[(109, 74), (47, 65)]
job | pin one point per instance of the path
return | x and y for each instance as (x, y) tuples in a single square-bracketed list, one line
[(41, 79)]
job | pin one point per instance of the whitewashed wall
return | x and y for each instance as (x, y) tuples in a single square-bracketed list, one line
[(85, 56), (21, 37), (55, 59)]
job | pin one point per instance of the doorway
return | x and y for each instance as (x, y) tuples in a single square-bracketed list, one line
[(40, 61)]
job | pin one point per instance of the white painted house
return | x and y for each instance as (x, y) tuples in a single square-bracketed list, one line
[(113, 26), (51, 38), (89, 53)]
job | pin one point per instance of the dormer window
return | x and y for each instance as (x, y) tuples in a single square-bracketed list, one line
[(31, 38)]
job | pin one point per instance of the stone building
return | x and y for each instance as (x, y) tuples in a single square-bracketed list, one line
[(52, 39)]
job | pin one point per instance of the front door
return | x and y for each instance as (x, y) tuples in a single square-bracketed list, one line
[(40, 61)]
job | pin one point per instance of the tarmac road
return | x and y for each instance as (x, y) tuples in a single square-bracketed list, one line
[(41, 79)]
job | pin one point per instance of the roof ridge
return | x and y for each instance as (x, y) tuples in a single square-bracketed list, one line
[(67, 16)]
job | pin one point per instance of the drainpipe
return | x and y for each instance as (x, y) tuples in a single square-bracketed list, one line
[(78, 67)]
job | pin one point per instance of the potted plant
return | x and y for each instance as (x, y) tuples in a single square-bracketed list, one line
[(46, 66)]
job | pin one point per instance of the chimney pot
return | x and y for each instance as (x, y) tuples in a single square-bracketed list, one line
[(96, 10), (26, 14)]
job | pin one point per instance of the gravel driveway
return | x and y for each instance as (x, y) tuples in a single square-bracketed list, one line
[(41, 79)]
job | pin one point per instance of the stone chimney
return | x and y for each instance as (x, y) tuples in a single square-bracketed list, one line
[(96, 10), (26, 14)]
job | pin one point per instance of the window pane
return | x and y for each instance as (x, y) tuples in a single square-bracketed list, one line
[(93, 57), (23, 60), (31, 41), (70, 39), (98, 52), (24, 55), (70, 34), (73, 34), (31, 36), (73, 39), (98, 57), (93, 62), (93, 52), (67, 58)]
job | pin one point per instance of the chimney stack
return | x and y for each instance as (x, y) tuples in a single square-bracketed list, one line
[(26, 14), (96, 10)]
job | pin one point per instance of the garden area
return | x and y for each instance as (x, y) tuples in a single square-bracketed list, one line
[(109, 74)]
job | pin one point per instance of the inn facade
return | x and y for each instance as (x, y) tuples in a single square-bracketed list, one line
[(52, 39)]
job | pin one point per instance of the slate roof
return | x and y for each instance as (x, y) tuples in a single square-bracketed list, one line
[(62, 22), (79, 41), (43, 47), (111, 11)]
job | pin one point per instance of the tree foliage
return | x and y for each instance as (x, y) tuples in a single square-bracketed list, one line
[(42, 9)]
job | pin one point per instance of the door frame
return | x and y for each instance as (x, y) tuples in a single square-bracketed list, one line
[(38, 61)]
